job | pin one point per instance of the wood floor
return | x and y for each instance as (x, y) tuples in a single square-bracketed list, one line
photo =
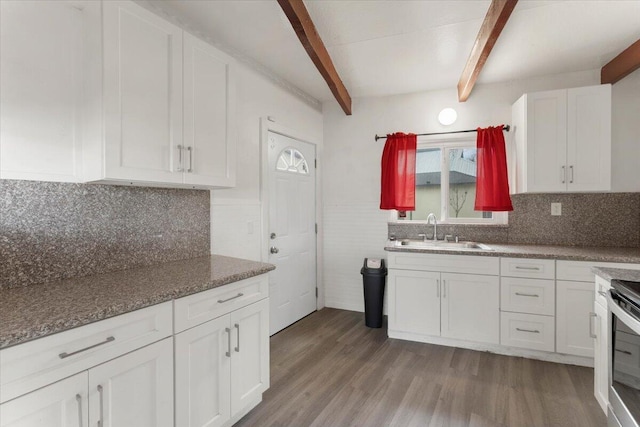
[(331, 370)]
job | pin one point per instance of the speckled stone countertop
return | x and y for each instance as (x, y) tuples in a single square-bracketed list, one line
[(575, 253), (35, 311), (617, 274)]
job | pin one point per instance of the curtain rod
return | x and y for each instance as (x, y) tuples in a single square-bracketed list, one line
[(506, 128)]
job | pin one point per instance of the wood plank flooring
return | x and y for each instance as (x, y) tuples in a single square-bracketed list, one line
[(329, 369)]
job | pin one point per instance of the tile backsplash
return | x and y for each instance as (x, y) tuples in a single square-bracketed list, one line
[(51, 231), (588, 219)]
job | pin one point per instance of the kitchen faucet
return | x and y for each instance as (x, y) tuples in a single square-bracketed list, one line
[(435, 226)]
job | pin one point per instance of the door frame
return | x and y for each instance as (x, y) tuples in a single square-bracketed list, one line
[(267, 124)]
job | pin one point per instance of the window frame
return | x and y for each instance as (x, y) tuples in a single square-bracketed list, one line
[(446, 143)]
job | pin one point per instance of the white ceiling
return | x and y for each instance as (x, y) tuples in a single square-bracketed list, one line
[(388, 47)]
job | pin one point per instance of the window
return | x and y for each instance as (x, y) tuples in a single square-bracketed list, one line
[(446, 184), (291, 160)]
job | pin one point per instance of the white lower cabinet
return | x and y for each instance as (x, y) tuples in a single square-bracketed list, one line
[(222, 367), (62, 404), (601, 357), (431, 304), (530, 331), (574, 322), (135, 389), (132, 390)]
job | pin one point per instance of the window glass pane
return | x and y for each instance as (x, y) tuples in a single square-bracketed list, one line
[(462, 184), (428, 199)]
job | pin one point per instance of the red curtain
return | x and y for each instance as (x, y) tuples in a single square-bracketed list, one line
[(398, 186), (492, 186)]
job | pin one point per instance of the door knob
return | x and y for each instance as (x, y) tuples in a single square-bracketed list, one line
[(274, 250)]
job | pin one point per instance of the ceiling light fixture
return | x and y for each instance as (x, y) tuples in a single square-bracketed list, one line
[(447, 116)]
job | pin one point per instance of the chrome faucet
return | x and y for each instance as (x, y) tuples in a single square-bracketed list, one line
[(435, 226)]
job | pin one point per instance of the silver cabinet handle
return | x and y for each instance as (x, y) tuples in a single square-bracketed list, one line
[(65, 354), (220, 301), (438, 288), (602, 293), (571, 174), (624, 351), (527, 295), (180, 148), (591, 333), (563, 174), (444, 289), (237, 349), (524, 267), (228, 331), (190, 150), (101, 420), (533, 331), (79, 400)]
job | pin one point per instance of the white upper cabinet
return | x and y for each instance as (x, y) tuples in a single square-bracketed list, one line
[(40, 90), (563, 140), (110, 92), (209, 115)]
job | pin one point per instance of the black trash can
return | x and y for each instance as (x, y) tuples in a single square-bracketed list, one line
[(373, 279)]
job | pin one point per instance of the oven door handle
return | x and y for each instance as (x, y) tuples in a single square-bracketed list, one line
[(630, 321)]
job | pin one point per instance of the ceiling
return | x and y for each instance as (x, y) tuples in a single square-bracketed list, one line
[(389, 47)]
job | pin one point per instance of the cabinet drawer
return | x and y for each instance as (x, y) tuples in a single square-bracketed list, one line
[(530, 331), (533, 296), (198, 308), (581, 271), (468, 264), (602, 287), (530, 268), (34, 364)]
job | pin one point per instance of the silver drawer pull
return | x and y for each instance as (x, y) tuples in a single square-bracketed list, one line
[(602, 294), (624, 351), (533, 331), (220, 301), (520, 294), (79, 400), (522, 267), (65, 355)]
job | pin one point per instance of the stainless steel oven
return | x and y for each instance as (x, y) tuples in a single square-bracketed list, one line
[(624, 360)]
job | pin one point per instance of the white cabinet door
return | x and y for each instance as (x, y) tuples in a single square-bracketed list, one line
[(546, 152), (414, 302), (589, 138), (471, 307), (135, 389), (601, 357), (203, 369), (142, 94), (62, 404), (249, 354), (209, 115), (574, 304), (40, 90)]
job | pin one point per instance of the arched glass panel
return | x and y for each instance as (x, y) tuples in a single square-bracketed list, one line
[(292, 160)]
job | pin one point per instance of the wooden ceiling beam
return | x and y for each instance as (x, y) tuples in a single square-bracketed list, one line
[(622, 65), (495, 20), (311, 41)]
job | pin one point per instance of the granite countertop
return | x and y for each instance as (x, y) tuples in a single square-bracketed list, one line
[(603, 254), (35, 311), (617, 274)]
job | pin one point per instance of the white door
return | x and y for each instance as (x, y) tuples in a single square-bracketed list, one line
[(209, 134), (414, 302), (135, 389), (471, 307), (62, 404), (573, 318), (249, 354), (291, 233), (589, 138), (203, 369), (142, 94)]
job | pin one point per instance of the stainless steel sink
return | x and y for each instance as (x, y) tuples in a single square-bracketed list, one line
[(442, 245)]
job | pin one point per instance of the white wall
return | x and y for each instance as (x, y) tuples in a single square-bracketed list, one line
[(625, 133), (236, 213), (355, 227)]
